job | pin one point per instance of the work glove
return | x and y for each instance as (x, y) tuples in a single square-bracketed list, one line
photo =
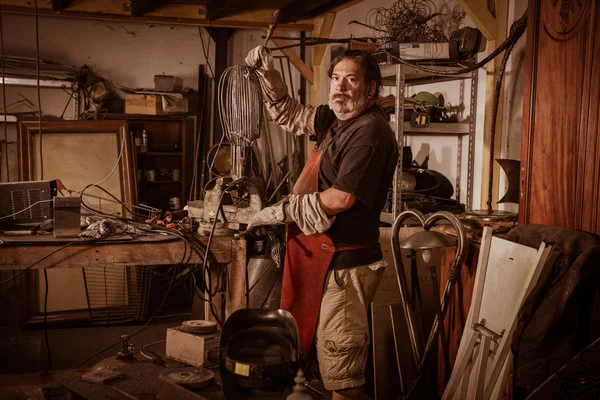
[(272, 215), (262, 54), (273, 87)]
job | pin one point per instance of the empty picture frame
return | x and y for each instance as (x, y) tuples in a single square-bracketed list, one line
[(81, 153)]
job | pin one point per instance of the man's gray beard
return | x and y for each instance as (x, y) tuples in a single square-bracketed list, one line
[(348, 107)]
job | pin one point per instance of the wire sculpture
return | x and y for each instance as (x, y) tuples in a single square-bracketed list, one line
[(240, 103), (405, 21)]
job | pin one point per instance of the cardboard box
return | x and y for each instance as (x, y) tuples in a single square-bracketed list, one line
[(148, 104), (199, 350)]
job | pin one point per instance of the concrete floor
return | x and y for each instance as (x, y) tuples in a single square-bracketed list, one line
[(24, 351)]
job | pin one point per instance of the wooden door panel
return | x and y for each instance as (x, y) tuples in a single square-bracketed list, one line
[(559, 178)]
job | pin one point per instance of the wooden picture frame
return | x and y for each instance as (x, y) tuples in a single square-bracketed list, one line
[(86, 133), (88, 151)]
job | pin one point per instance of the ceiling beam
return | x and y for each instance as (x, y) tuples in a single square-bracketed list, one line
[(331, 6), (60, 5), (478, 11), (221, 8), (346, 4), (141, 7), (167, 14), (295, 59), (299, 8), (323, 27)]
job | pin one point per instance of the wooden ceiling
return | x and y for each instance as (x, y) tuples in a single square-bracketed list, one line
[(294, 14)]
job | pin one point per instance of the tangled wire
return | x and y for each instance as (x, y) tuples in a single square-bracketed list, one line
[(405, 21)]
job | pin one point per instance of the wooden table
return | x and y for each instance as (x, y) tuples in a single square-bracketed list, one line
[(20, 252)]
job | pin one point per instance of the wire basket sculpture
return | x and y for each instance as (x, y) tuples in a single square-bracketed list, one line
[(240, 110), (405, 21)]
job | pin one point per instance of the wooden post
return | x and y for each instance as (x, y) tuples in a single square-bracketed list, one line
[(491, 75), (494, 29), (323, 26)]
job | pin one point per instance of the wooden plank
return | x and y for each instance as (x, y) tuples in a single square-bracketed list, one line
[(323, 27), (11, 383), (219, 8), (168, 14), (491, 75), (296, 8), (346, 5), (478, 13), (141, 7), (295, 59), (20, 255), (59, 5)]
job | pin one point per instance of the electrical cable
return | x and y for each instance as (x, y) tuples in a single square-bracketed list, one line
[(195, 245), (35, 263), (139, 330), (516, 31), (4, 97), (154, 343), (112, 171), (45, 322), (205, 51), (37, 67), (25, 209), (173, 315), (71, 95), (107, 192), (199, 124)]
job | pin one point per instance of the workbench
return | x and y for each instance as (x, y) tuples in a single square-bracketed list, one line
[(20, 252)]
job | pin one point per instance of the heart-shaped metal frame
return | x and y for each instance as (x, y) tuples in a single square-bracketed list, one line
[(453, 275)]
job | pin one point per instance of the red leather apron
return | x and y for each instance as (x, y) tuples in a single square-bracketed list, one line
[(307, 259)]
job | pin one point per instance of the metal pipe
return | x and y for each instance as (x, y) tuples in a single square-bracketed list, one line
[(402, 282), (453, 274)]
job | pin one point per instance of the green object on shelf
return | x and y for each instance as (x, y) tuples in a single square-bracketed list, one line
[(176, 174)]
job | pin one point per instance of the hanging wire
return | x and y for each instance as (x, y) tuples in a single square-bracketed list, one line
[(199, 124), (4, 97), (37, 68)]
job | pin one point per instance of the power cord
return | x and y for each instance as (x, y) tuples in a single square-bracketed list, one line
[(45, 322), (35, 263), (139, 330), (39, 97), (26, 208), (4, 98)]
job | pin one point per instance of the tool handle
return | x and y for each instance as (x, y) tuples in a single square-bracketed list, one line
[(272, 27), (270, 31)]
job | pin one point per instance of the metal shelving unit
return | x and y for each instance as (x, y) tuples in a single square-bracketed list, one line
[(402, 76)]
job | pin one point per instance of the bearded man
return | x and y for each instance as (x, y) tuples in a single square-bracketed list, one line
[(333, 262)]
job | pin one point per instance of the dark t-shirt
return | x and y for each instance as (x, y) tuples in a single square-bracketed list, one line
[(359, 157)]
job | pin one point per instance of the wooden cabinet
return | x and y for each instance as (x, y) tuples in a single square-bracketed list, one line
[(160, 165), (560, 174), (160, 162)]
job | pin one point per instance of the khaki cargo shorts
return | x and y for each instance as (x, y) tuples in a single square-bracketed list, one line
[(342, 336)]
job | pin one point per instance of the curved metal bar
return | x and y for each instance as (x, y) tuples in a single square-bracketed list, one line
[(402, 281), (453, 274)]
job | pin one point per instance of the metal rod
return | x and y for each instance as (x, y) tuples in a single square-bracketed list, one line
[(278, 186), (402, 281), (438, 310)]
